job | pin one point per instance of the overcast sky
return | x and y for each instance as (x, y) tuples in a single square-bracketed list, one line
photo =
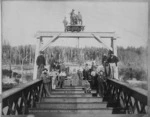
[(22, 19)]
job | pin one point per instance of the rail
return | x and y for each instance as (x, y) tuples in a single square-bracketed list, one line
[(121, 96), (126, 98), (19, 99)]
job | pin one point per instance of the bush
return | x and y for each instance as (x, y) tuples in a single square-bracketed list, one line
[(6, 72), (129, 73)]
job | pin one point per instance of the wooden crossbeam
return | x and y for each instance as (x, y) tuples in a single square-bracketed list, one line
[(76, 34)]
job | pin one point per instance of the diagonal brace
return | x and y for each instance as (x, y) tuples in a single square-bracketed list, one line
[(49, 42), (100, 41)]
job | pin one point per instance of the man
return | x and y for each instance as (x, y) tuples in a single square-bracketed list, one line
[(79, 72), (46, 82), (72, 14), (105, 64), (62, 67), (57, 66), (100, 84), (79, 18), (93, 66), (51, 63), (86, 72), (54, 75), (104, 59), (62, 77), (113, 60), (65, 22), (40, 63), (94, 77)]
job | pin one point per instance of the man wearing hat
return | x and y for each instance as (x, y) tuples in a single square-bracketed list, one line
[(113, 60), (40, 63), (46, 81), (51, 63), (72, 14), (105, 64)]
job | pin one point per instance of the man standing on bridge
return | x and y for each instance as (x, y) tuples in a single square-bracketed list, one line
[(40, 63), (51, 63), (113, 60), (46, 82), (106, 65)]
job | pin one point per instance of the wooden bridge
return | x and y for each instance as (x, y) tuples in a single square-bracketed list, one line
[(119, 98)]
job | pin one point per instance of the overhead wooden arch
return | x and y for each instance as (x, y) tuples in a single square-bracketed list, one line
[(56, 35)]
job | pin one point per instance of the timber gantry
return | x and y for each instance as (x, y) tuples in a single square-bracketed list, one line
[(119, 97)]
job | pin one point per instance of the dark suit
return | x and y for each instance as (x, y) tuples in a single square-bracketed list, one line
[(41, 63)]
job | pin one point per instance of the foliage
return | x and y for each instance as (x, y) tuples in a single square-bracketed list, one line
[(17, 53), (131, 57), (130, 73)]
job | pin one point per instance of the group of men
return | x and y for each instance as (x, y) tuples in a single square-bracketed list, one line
[(52, 79), (74, 19), (96, 76)]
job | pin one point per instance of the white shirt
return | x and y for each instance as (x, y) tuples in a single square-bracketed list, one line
[(93, 73), (79, 16), (99, 68), (62, 74)]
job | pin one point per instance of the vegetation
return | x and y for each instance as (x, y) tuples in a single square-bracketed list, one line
[(133, 58)]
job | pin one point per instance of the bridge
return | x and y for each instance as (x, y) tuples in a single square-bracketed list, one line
[(119, 97)]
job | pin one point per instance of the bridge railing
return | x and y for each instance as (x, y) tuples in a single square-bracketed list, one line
[(19, 99), (127, 98)]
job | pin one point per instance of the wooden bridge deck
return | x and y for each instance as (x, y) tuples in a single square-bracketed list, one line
[(72, 101)]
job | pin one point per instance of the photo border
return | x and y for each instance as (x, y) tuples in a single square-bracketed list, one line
[(148, 42)]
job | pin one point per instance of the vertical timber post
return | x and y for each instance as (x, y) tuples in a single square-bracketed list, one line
[(39, 39), (115, 53), (112, 44)]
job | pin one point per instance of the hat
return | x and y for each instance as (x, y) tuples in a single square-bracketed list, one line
[(111, 52), (41, 52), (45, 69), (104, 54)]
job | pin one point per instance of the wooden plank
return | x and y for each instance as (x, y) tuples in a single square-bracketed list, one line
[(70, 95), (76, 34), (72, 99), (83, 113), (66, 105), (73, 112)]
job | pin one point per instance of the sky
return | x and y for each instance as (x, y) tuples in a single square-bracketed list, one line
[(22, 19)]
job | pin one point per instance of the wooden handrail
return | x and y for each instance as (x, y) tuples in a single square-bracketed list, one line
[(127, 97), (138, 93), (18, 88), (22, 97), (139, 90)]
